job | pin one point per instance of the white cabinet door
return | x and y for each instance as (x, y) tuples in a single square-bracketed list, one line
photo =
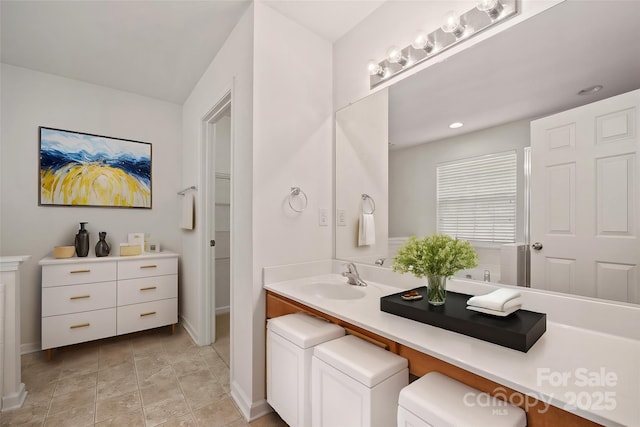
[(65, 273), (135, 291), (59, 300), (58, 331), (138, 317), (585, 200), (144, 267)]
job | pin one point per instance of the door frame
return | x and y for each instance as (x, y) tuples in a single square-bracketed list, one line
[(207, 175)]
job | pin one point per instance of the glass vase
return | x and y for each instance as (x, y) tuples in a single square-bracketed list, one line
[(436, 289)]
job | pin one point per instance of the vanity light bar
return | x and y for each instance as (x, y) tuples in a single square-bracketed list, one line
[(469, 24)]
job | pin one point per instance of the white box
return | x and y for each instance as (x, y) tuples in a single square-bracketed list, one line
[(290, 343), (355, 383)]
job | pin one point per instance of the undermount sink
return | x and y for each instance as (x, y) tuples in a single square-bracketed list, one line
[(337, 291)]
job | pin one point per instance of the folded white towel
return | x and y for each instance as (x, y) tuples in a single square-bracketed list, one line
[(186, 221), (495, 312), (495, 300), (367, 230)]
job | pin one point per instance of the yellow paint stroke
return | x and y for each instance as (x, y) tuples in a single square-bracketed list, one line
[(93, 184)]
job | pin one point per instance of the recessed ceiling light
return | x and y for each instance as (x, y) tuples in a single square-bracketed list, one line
[(590, 90), (455, 125)]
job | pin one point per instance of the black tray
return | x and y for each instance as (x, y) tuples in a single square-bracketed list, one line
[(518, 331)]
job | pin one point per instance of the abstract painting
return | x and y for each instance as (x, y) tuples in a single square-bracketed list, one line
[(80, 169)]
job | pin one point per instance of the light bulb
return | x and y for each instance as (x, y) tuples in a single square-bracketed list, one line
[(421, 42), (493, 8), (452, 24), (394, 56), (375, 69)]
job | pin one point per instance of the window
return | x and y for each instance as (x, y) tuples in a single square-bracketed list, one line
[(477, 198)]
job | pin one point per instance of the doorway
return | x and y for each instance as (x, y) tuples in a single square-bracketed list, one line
[(217, 228)]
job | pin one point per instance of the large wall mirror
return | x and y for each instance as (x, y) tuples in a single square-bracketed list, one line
[(506, 176)]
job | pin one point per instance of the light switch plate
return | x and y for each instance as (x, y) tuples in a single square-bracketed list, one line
[(341, 217), (323, 217)]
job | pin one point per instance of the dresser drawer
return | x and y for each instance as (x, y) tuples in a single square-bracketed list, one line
[(77, 273), (137, 317), (147, 267), (58, 331), (76, 298), (146, 289)]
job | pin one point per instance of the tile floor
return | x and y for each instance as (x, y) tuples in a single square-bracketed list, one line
[(145, 379)]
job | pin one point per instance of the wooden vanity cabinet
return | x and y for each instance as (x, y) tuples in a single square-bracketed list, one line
[(538, 413)]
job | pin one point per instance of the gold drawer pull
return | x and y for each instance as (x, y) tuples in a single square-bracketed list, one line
[(149, 266), (80, 271), (149, 313), (148, 288), (80, 297), (81, 325)]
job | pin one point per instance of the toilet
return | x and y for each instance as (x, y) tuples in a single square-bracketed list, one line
[(436, 400), (290, 342), (355, 383)]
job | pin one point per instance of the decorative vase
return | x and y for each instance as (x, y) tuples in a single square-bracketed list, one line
[(82, 241), (436, 289), (102, 247)]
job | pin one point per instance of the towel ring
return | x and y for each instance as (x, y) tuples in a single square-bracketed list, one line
[(373, 203), (295, 192)]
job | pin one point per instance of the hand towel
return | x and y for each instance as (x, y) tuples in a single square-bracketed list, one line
[(367, 230), (495, 312), (188, 200), (495, 300)]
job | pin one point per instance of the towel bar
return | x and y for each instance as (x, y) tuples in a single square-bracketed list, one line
[(373, 203), (183, 192), (295, 192)]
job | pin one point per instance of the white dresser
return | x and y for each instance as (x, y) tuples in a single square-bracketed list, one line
[(85, 299)]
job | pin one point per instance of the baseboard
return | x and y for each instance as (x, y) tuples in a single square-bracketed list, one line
[(189, 328), (30, 347), (223, 310), (251, 411), (14, 400)]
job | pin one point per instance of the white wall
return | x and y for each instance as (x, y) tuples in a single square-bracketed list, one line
[(281, 137), (31, 99), (362, 165), (395, 23), (231, 69), (292, 146)]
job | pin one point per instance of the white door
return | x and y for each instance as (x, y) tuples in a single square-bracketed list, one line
[(585, 200)]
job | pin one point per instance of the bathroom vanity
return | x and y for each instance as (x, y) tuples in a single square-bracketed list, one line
[(85, 299), (559, 381)]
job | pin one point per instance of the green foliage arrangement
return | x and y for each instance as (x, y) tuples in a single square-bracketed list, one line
[(435, 255)]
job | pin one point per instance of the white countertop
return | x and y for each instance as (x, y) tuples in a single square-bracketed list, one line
[(568, 366), (75, 259)]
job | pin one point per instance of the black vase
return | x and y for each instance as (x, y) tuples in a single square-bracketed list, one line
[(82, 241), (102, 247)]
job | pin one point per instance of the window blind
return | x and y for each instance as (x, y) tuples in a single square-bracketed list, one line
[(476, 198)]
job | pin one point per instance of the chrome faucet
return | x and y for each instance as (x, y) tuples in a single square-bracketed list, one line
[(353, 278)]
